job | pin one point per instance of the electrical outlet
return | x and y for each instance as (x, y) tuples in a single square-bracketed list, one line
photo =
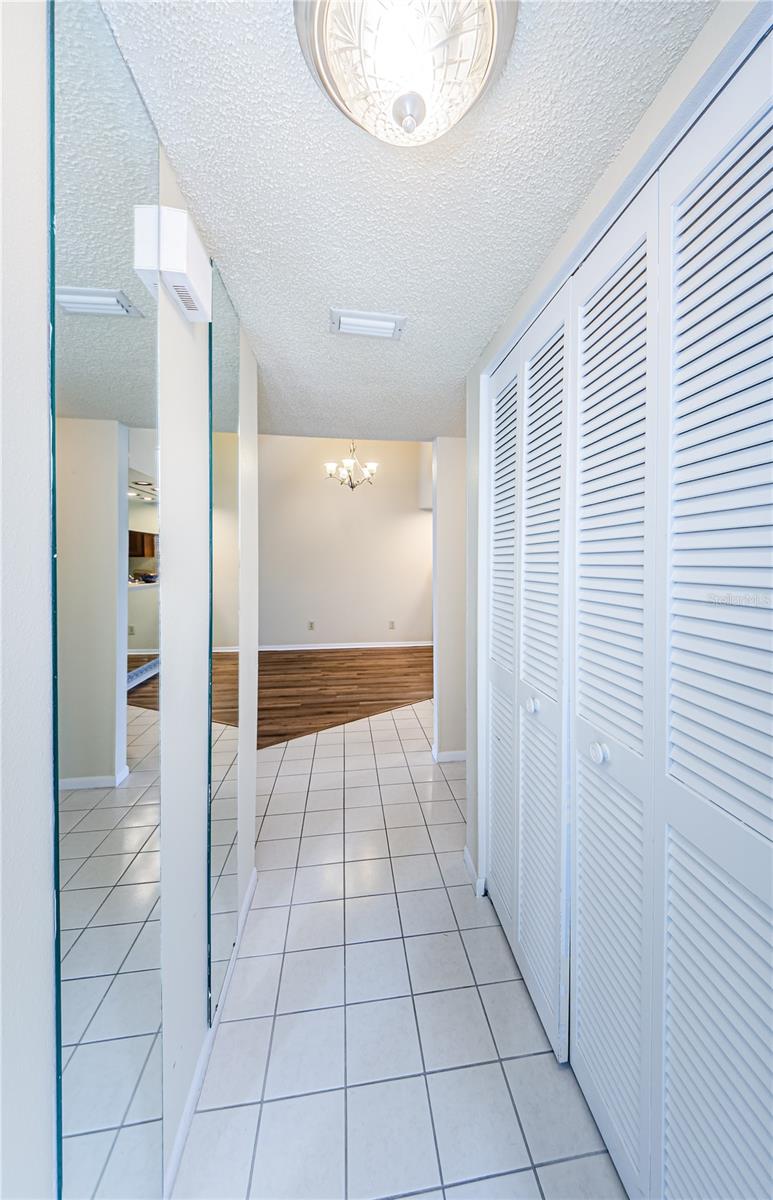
[(311, 624), (391, 624), (131, 631)]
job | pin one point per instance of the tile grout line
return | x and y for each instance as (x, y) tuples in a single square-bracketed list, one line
[(446, 887), (276, 1006), (485, 1012), (154, 1035), (413, 998)]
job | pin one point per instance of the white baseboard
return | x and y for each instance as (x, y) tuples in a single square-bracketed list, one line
[(442, 756), (225, 649), (93, 781), (175, 1158), (144, 650), (477, 881), (346, 646)]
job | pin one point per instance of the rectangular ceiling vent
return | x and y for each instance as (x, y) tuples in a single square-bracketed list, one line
[(96, 302), (366, 324)]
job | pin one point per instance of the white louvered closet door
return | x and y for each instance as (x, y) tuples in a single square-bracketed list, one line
[(541, 888), (615, 305), (714, 769), (499, 679)]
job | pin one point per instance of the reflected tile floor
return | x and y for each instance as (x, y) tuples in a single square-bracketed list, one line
[(110, 991), (376, 1038), (110, 941)]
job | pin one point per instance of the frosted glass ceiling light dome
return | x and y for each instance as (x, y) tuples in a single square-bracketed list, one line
[(405, 70)]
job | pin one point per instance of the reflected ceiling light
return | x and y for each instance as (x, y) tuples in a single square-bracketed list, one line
[(405, 70), (96, 302), (350, 472)]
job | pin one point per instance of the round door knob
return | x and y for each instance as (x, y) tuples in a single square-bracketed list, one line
[(599, 753), (532, 704)]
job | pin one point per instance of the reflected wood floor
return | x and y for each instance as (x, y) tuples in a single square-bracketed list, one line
[(304, 691)]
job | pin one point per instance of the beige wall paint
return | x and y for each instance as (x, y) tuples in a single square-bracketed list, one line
[(225, 540), (732, 27), (27, 1051), (92, 557), (349, 561), (449, 473)]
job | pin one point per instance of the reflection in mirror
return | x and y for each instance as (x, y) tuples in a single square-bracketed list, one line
[(107, 570), (224, 659)]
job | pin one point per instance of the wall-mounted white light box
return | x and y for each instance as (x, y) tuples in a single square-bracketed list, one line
[(167, 246)]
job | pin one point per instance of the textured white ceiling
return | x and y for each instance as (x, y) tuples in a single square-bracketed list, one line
[(303, 210), (106, 161)]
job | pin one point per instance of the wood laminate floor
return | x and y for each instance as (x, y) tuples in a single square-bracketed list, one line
[(303, 691)]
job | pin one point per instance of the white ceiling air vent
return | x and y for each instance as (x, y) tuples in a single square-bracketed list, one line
[(96, 302), (167, 246), (366, 324)]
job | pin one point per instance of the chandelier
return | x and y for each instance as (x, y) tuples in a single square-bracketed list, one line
[(350, 472), (405, 70)]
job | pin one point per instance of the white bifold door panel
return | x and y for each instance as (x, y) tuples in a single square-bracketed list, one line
[(626, 754), (713, 788), (541, 928), (524, 685), (613, 459), (497, 750)]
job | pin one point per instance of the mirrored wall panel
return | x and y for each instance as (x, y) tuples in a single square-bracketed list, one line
[(108, 566), (224, 659)]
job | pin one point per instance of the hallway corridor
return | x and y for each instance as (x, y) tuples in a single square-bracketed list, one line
[(376, 1039)]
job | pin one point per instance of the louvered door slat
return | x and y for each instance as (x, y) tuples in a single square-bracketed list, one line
[(723, 432), (500, 725), (540, 934), (542, 476), (601, 459), (611, 938), (719, 1065), (713, 785)]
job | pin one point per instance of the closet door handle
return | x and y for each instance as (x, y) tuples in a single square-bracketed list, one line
[(599, 753), (532, 704)]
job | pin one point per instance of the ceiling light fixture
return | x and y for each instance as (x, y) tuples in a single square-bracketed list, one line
[(366, 324), (405, 70), (350, 472)]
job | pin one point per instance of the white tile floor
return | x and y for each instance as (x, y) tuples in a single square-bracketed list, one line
[(111, 999), (223, 854), (376, 1039), (110, 990)]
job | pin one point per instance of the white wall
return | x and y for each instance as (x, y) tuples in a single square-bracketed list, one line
[(143, 453), (248, 609), (225, 540), (183, 427), (449, 474), (27, 1035), (349, 561), (708, 62), (92, 537)]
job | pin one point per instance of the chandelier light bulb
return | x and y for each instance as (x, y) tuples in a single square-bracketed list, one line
[(350, 472), (405, 70)]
